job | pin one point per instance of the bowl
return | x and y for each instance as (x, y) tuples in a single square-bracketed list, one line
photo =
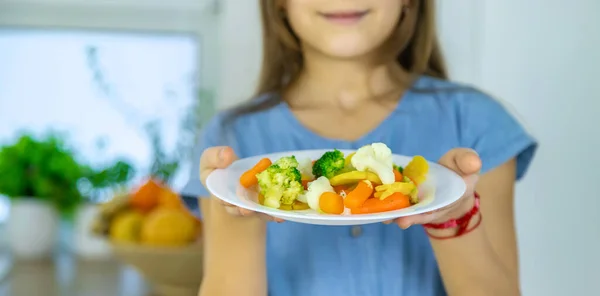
[(171, 271)]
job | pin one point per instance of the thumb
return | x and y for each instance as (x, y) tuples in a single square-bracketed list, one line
[(215, 158), (225, 157), (463, 161)]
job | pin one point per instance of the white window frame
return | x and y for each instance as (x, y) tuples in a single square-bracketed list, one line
[(191, 17)]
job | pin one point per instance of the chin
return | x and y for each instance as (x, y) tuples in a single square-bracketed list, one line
[(346, 48)]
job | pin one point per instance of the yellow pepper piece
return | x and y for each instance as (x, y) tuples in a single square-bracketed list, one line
[(417, 169), (348, 160), (383, 191), (296, 206), (353, 177), (306, 178)]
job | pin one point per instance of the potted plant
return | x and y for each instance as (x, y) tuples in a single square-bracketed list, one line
[(40, 177)]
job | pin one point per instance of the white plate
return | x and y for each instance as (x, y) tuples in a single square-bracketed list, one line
[(442, 188)]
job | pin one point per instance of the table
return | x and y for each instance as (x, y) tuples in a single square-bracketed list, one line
[(66, 275)]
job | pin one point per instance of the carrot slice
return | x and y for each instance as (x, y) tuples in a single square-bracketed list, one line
[(359, 195), (393, 202), (398, 176), (331, 203), (262, 165), (338, 189), (248, 178), (305, 183)]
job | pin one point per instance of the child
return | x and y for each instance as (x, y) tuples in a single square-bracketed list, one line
[(343, 74)]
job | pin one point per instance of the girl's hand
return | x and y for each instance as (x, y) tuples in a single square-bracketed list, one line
[(220, 158), (466, 163)]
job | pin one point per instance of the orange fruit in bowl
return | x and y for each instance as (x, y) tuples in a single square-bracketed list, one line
[(166, 226), (146, 197), (170, 199)]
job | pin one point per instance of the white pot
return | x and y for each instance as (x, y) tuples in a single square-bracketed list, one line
[(32, 227), (86, 244)]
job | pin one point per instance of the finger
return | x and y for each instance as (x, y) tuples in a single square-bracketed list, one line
[(471, 182), (263, 217), (215, 158), (225, 203), (270, 218), (405, 222), (463, 161), (232, 210), (247, 213)]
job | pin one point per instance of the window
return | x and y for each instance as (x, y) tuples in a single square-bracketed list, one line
[(103, 89), (103, 82)]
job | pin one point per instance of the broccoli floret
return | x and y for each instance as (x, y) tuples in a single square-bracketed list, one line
[(399, 168), (287, 162), (329, 164), (280, 185), (293, 174)]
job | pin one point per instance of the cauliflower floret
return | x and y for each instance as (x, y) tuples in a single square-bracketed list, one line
[(315, 189), (376, 158), (305, 168)]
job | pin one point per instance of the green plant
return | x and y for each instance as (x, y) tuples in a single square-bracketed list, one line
[(107, 180), (115, 175), (198, 115), (163, 166), (46, 169)]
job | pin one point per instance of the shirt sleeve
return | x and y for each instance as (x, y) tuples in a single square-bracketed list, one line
[(495, 134)]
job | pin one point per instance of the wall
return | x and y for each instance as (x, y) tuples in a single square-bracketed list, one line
[(541, 58), (240, 52), (459, 38)]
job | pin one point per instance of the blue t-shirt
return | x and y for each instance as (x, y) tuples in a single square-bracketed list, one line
[(433, 117)]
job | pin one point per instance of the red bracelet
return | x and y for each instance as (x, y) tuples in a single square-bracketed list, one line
[(462, 223)]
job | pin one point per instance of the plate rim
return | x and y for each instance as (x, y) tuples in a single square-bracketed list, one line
[(326, 217)]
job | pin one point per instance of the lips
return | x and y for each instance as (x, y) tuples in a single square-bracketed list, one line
[(345, 16)]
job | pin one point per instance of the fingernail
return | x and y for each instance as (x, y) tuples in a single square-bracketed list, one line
[(474, 151), (232, 211), (221, 154)]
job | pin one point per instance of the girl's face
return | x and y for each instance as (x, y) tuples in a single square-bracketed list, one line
[(343, 28)]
